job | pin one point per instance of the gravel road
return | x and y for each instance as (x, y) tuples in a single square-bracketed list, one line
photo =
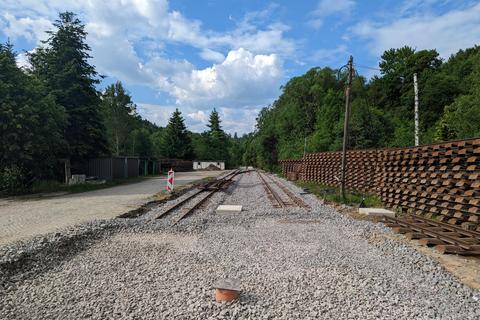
[(21, 218), (291, 263)]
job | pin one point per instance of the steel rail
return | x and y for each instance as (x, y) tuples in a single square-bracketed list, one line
[(289, 193), (188, 211), (271, 193), (468, 233), (210, 188), (445, 241), (178, 204)]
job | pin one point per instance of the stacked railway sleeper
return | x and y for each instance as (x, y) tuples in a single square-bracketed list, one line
[(325, 168), (292, 169), (186, 206), (440, 181), (445, 237), (279, 195)]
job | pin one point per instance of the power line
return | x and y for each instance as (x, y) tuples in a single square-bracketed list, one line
[(365, 67)]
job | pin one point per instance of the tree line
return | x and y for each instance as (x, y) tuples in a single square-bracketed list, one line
[(52, 110), (310, 109)]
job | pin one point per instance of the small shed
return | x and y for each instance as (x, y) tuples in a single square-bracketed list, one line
[(209, 165)]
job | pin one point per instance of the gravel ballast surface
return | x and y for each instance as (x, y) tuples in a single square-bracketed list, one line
[(291, 263)]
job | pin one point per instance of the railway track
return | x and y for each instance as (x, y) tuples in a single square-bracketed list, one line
[(277, 200), (189, 204), (445, 237)]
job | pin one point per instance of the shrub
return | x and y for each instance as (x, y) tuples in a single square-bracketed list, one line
[(12, 180)]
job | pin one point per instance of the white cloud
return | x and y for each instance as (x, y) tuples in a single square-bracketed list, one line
[(327, 57), (232, 119), (329, 7), (199, 116), (128, 40), (447, 32), (326, 8), (22, 60), (241, 79), (158, 114), (211, 55), (31, 29), (240, 121)]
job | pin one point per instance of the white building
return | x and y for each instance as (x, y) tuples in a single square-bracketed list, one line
[(202, 165)]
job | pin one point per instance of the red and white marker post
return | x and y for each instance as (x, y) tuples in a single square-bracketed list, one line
[(170, 180)]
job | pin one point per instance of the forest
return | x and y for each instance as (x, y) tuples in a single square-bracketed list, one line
[(309, 114), (53, 110)]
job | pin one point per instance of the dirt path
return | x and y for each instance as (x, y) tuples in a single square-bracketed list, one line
[(21, 219)]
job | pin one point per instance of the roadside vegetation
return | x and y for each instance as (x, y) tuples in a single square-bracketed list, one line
[(332, 194)]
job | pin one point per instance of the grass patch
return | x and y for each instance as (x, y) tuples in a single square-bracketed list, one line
[(332, 194)]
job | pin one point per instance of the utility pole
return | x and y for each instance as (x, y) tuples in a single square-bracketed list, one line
[(348, 91), (415, 88)]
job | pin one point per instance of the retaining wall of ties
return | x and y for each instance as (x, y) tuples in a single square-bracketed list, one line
[(440, 181)]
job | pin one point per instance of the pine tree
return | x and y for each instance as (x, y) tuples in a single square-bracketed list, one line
[(31, 127), (62, 64), (176, 142)]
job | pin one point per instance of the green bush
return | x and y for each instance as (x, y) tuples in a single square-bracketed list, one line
[(12, 180), (46, 186), (333, 194)]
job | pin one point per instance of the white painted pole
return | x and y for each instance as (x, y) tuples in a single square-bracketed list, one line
[(415, 87)]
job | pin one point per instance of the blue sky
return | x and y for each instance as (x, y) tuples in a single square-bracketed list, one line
[(235, 55)]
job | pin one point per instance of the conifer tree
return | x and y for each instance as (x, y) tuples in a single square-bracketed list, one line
[(62, 64), (217, 138), (176, 142)]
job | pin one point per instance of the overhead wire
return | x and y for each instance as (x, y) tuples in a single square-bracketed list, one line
[(365, 67)]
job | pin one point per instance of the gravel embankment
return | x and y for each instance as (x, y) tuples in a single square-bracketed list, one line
[(292, 264)]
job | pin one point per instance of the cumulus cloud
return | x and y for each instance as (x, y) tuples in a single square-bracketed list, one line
[(248, 74), (242, 78), (446, 32)]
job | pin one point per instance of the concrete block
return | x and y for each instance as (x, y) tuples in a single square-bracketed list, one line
[(229, 209), (378, 212)]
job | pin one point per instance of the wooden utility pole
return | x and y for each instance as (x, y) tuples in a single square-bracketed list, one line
[(415, 88), (348, 91)]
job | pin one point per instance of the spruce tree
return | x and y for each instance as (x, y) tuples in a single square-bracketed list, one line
[(176, 142), (62, 64), (218, 143)]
